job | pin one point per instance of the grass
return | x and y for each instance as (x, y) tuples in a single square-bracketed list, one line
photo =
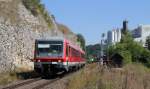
[(7, 77), (18, 74), (132, 76)]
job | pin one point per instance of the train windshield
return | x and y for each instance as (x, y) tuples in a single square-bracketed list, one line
[(50, 49)]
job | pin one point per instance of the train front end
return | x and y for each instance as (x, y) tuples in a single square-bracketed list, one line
[(48, 56)]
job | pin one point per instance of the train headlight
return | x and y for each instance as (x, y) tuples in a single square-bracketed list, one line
[(67, 58), (39, 60), (59, 60)]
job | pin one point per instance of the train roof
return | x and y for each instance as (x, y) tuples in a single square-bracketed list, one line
[(64, 40), (75, 46), (51, 39)]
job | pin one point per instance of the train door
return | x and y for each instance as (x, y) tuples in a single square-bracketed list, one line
[(67, 58), (67, 54)]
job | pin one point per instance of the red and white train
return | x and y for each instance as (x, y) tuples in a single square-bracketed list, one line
[(57, 54)]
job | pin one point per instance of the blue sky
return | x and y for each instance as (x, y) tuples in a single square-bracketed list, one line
[(91, 18)]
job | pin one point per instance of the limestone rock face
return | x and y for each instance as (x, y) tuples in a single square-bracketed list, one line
[(18, 31)]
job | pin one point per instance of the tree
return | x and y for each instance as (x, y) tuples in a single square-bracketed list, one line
[(81, 41), (130, 50), (92, 50), (148, 42)]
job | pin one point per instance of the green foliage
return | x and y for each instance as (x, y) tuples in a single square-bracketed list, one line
[(32, 5), (126, 38), (145, 57), (127, 57), (93, 50), (64, 29), (91, 59), (130, 50), (121, 49), (81, 40), (37, 8), (148, 42)]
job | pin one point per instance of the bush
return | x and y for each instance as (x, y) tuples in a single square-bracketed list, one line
[(131, 51), (127, 57)]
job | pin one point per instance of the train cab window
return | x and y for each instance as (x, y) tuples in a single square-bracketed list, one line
[(49, 49)]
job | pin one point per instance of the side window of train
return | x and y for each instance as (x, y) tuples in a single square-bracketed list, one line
[(83, 56), (67, 51), (72, 52)]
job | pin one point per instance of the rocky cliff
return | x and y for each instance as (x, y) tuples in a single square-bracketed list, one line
[(18, 31)]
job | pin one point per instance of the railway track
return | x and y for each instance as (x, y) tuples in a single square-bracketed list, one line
[(41, 83), (45, 84), (22, 84), (40, 86)]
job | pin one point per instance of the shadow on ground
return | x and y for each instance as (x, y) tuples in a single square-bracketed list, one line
[(28, 75)]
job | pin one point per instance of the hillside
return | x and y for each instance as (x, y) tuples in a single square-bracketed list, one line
[(19, 28)]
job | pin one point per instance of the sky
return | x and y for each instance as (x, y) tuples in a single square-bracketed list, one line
[(91, 18)]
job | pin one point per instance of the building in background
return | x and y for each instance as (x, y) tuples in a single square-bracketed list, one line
[(140, 34), (113, 36), (125, 27)]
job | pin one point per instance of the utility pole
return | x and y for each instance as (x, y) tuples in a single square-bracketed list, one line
[(102, 49)]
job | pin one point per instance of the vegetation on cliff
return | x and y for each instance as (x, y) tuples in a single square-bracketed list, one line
[(37, 8), (64, 29)]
